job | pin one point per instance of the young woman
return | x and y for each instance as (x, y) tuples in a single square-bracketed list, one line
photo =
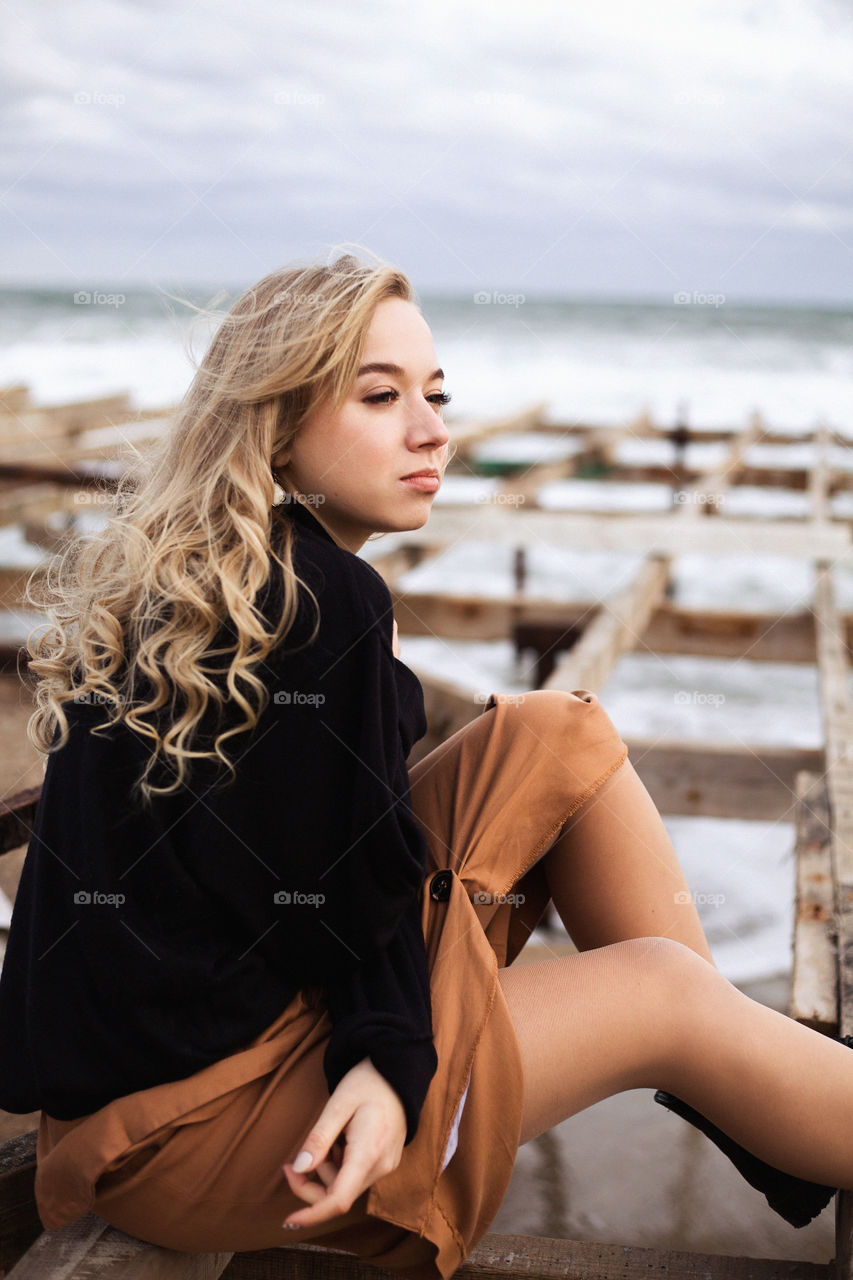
[(259, 978)]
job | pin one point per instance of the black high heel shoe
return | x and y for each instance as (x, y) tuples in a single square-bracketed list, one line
[(794, 1199)]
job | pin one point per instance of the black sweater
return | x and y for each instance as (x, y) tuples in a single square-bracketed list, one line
[(148, 944)]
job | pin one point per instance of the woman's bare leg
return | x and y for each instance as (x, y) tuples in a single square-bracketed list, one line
[(651, 1013), (613, 873)]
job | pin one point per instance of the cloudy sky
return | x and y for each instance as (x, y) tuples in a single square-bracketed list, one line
[(613, 149)]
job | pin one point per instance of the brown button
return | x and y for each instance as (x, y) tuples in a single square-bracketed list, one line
[(439, 889)]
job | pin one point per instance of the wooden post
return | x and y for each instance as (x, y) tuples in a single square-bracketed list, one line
[(834, 675)]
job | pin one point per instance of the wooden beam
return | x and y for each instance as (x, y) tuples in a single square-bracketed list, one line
[(468, 617), (467, 434), (17, 815), (704, 780), (91, 1248), (655, 535), (52, 433), (834, 679), (706, 495), (761, 637), (814, 982), (617, 626), (598, 446), (15, 399), (500, 1257), (20, 1224), (820, 476), (67, 477)]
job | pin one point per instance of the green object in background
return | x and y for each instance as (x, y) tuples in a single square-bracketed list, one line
[(494, 467)]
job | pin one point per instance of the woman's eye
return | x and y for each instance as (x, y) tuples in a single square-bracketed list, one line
[(382, 397), (438, 398)]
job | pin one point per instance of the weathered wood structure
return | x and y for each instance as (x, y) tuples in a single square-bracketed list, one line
[(53, 457)]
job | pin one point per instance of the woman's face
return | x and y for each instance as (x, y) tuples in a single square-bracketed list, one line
[(359, 457)]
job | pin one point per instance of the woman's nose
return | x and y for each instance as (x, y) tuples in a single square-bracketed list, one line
[(429, 425)]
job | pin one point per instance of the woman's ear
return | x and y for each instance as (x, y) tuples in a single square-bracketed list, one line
[(281, 458)]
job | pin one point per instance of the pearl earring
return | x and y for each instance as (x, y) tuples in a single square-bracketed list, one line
[(278, 494)]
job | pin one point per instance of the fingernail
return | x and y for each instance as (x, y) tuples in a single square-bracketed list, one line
[(291, 1226), (302, 1162)]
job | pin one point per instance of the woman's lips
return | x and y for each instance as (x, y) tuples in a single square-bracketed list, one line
[(426, 484)]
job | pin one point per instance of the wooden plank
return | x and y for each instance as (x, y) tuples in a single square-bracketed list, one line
[(14, 399), (467, 434), (814, 982), (19, 1221), (470, 617), (90, 1248), (51, 435), (698, 779), (19, 503), (66, 476), (502, 1257), (655, 535), (599, 446), (820, 476), (706, 496), (120, 438), (761, 637), (617, 626), (834, 678), (17, 814)]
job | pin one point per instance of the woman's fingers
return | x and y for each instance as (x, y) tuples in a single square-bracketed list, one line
[(354, 1176)]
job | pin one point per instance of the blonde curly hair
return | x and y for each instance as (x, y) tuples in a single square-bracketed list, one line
[(136, 608)]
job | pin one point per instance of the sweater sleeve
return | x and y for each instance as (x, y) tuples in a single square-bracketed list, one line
[(377, 991), (381, 1009)]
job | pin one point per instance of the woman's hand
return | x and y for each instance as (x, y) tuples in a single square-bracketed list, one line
[(395, 643), (368, 1110)]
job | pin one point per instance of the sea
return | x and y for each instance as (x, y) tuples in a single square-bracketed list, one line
[(697, 359), (591, 360)]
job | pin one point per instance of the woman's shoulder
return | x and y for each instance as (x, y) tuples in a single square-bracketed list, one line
[(351, 593)]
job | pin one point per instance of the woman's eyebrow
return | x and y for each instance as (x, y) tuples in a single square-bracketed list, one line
[(395, 370)]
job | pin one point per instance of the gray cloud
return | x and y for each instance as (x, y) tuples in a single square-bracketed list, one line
[(554, 145)]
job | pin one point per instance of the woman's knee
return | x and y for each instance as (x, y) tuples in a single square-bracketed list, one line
[(552, 711), (670, 974)]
